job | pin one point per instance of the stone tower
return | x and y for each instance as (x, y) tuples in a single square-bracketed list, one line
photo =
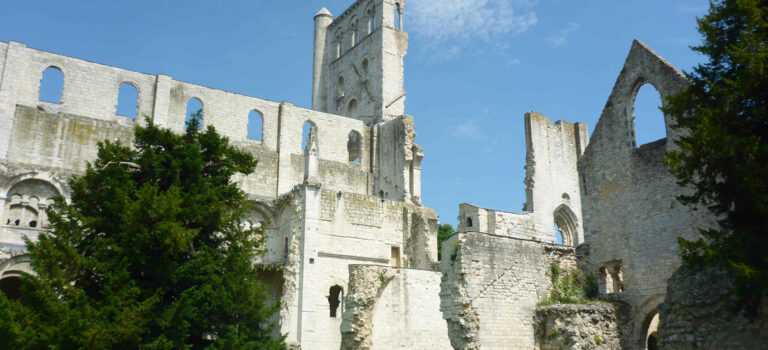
[(358, 61)]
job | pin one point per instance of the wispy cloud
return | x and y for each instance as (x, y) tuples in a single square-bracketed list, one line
[(458, 21), (561, 38), (468, 129)]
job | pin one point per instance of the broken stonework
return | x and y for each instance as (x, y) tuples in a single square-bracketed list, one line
[(577, 326), (699, 313)]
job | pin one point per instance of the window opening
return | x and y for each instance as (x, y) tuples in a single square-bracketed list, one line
[(398, 16), (469, 222), (365, 68), (354, 145), (558, 235), (395, 258), (306, 131), (194, 110), (352, 108), (647, 117), (11, 287), (565, 226), (335, 296), (127, 101), (255, 125), (340, 91), (52, 85)]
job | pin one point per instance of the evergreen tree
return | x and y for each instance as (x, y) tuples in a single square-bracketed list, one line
[(724, 158), (443, 232), (148, 254)]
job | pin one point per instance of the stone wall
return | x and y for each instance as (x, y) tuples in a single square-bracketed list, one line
[(390, 308), (359, 57), (592, 326), (491, 285), (699, 313), (631, 216)]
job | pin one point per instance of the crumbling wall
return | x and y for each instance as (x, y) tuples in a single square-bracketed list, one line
[(593, 326), (391, 308), (631, 216), (551, 175), (491, 285), (63, 134), (699, 313)]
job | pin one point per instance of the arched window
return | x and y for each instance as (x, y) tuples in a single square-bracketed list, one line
[(340, 92), (565, 226), (255, 125), (650, 330), (127, 100), (195, 110), (52, 85), (356, 33), (337, 42), (469, 222), (335, 297), (354, 146), (647, 117), (307, 130), (26, 203), (11, 287), (352, 108), (371, 13), (365, 67)]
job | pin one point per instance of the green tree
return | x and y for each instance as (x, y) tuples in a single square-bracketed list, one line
[(148, 254), (724, 158), (443, 232)]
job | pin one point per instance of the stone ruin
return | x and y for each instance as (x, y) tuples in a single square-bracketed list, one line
[(338, 190)]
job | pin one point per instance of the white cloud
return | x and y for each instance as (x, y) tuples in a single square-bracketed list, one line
[(468, 130), (561, 38), (460, 20)]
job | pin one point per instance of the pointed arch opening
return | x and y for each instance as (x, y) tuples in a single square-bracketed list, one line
[(354, 146), (335, 297), (352, 108), (308, 130), (127, 100), (255, 126), (647, 118), (650, 330), (52, 85), (565, 226), (195, 110)]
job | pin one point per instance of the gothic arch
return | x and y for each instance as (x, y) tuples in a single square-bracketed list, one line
[(567, 223), (615, 129)]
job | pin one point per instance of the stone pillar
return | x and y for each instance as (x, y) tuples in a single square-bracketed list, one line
[(322, 20)]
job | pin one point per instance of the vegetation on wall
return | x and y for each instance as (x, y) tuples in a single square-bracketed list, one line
[(443, 232), (724, 160), (570, 286), (148, 254)]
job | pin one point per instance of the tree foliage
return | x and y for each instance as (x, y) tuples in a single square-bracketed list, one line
[(148, 254), (724, 158), (443, 232)]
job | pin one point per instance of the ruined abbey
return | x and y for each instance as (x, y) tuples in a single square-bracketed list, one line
[(342, 206)]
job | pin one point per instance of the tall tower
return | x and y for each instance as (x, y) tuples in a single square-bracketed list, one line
[(358, 61)]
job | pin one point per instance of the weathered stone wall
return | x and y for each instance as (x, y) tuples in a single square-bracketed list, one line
[(631, 217), (699, 313), (592, 326), (491, 285), (390, 308), (360, 59), (552, 187)]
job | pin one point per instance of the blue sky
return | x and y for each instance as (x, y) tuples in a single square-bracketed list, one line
[(473, 69)]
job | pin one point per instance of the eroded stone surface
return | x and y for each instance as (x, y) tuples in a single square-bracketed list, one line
[(577, 326)]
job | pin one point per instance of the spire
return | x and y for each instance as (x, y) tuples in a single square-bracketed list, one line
[(324, 12)]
